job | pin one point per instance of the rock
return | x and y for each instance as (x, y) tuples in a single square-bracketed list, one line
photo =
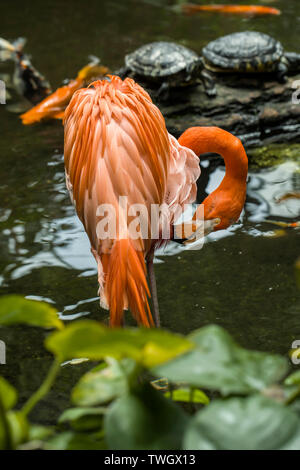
[(258, 110)]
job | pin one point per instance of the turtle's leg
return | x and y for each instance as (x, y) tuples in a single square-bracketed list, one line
[(206, 78), (282, 70), (208, 83), (293, 61), (163, 93)]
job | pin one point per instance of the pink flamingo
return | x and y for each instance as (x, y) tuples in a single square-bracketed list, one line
[(117, 144)]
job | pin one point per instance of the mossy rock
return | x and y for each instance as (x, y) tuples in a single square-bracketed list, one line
[(272, 155)]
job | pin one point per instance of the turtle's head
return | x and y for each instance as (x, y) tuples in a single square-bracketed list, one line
[(293, 61)]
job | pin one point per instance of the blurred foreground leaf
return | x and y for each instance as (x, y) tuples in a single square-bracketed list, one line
[(102, 385), (144, 420), (90, 339), (8, 394), (252, 423), (188, 395), (83, 419), (17, 309), (293, 379), (75, 441), (218, 363)]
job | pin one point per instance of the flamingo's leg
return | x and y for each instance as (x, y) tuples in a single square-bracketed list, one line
[(153, 290)]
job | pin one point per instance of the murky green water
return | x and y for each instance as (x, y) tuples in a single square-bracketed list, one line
[(242, 279)]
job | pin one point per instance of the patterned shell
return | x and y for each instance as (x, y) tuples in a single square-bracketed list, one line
[(249, 49), (160, 59)]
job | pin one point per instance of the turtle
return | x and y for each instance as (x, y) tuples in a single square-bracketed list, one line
[(168, 64), (249, 52)]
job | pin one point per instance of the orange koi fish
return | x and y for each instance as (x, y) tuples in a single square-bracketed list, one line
[(284, 224), (53, 107), (249, 10)]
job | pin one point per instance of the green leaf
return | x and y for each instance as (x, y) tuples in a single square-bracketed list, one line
[(218, 363), (252, 423), (72, 414), (293, 379), (101, 386), (144, 420), (75, 441), (8, 394), (17, 309), (83, 419), (188, 395), (39, 433), (87, 338), (18, 427)]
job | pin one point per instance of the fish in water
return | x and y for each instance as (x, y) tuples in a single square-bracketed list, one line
[(279, 223), (28, 82), (247, 10), (53, 107)]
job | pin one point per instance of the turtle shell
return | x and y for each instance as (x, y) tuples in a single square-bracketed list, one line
[(161, 59), (249, 51)]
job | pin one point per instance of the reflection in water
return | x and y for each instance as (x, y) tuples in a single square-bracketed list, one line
[(62, 243)]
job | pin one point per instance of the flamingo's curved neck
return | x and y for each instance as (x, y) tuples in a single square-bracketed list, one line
[(215, 140), (227, 201)]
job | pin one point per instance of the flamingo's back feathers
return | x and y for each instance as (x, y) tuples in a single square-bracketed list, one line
[(116, 144)]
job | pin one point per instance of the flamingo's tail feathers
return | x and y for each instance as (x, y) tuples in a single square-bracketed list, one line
[(126, 284)]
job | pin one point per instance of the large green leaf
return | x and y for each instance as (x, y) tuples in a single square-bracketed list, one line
[(102, 385), (8, 394), (17, 309), (254, 422), (87, 338), (144, 420), (218, 363)]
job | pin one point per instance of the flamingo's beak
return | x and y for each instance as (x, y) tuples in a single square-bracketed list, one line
[(189, 232)]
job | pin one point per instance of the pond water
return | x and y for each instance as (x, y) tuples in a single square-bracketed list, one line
[(243, 279)]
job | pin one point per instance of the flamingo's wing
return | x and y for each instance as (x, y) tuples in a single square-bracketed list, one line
[(116, 145), (184, 171)]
